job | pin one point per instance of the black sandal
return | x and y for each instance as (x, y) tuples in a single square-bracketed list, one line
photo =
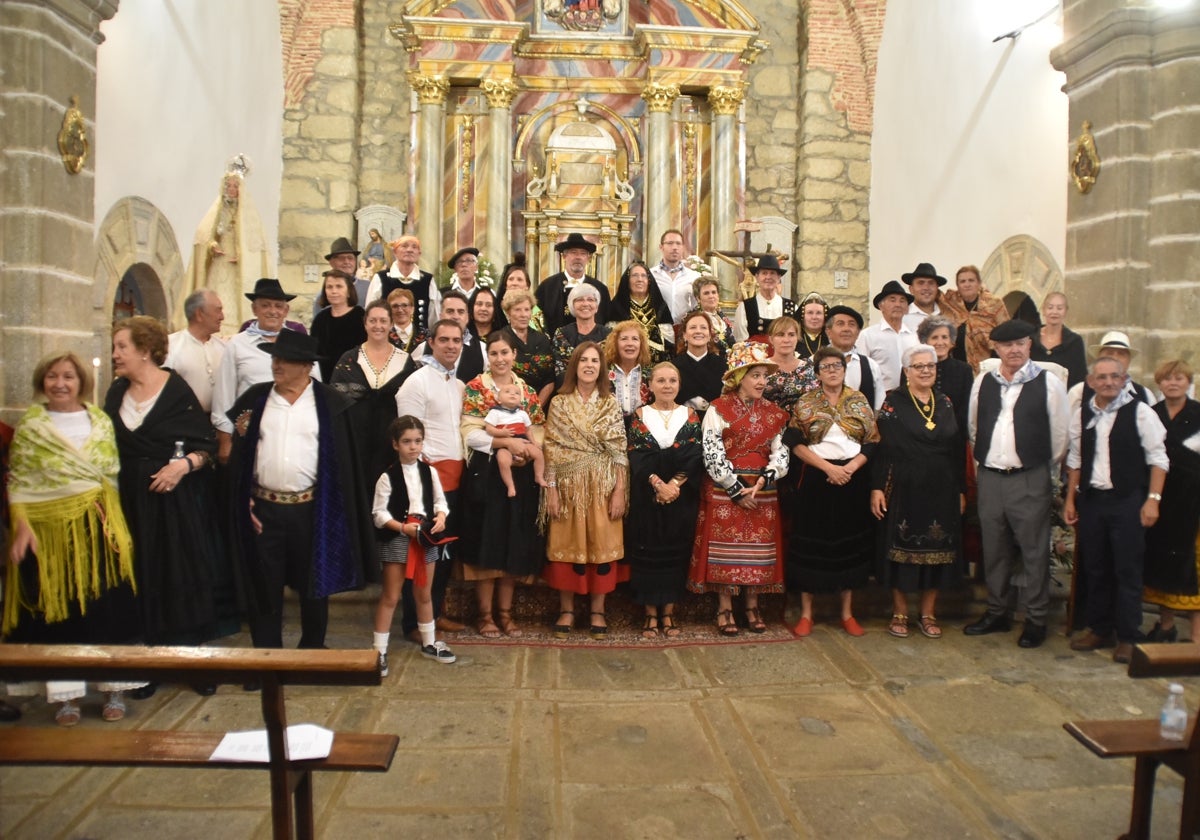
[(666, 625), (650, 627), (754, 620), (599, 632), (728, 626), (562, 631)]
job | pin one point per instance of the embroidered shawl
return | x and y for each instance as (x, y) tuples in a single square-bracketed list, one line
[(988, 313), (585, 448), (813, 416), (479, 397)]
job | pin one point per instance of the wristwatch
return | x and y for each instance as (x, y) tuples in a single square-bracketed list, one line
[(1155, 496)]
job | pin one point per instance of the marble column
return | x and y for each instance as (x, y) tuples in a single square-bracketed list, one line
[(431, 95), (660, 99), (498, 244), (725, 102)]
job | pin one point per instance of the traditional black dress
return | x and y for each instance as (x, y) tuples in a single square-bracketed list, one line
[(372, 411), (699, 377), (1070, 353), (566, 339), (185, 583), (920, 471), (336, 335), (535, 359), (1170, 573), (658, 538)]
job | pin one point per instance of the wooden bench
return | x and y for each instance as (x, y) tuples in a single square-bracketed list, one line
[(1139, 740), (291, 781)]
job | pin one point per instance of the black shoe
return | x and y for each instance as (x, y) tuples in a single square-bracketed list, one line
[(989, 624), (1032, 636), (253, 685), (1157, 634), (206, 690), (9, 712), (145, 692)]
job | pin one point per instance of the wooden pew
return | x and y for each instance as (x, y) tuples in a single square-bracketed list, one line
[(291, 781), (1139, 740)]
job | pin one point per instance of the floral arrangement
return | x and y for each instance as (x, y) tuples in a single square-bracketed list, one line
[(698, 265)]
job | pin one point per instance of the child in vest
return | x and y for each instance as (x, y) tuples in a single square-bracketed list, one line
[(508, 419), (407, 495)]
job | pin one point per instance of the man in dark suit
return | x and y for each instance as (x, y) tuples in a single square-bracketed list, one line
[(552, 292)]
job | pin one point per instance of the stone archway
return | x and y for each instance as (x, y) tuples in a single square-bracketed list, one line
[(1022, 264), (137, 257), (140, 292)]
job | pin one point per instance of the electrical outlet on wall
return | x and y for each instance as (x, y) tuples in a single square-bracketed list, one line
[(841, 280)]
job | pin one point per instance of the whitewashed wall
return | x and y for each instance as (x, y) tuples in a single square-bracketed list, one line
[(970, 141), (183, 86)]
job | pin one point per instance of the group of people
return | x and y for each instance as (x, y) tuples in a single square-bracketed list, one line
[(561, 434)]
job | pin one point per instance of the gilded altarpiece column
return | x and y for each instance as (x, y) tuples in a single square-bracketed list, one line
[(660, 99), (431, 94), (499, 93), (725, 102)]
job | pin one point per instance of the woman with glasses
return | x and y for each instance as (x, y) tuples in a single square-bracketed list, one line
[(917, 491)]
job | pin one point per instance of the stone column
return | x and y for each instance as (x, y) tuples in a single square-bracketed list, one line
[(725, 102), (1132, 240), (47, 196), (431, 95), (498, 244), (660, 99)]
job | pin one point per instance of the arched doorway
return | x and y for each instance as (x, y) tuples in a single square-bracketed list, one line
[(1022, 271), (140, 292)]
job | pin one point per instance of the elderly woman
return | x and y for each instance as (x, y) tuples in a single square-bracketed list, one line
[(627, 361), (516, 278), (500, 543), (586, 498), (738, 546), (166, 443), (793, 375), (638, 299), (833, 435), (486, 316), (339, 327), (813, 311), (583, 303), (975, 311), (708, 296), (535, 353), (70, 574), (1172, 577), (700, 367), (665, 466), (1057, 343), (917, 491), (954, 377), (404, 333)]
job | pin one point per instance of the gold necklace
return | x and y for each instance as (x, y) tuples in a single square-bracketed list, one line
[(928, 416), (664, 416)]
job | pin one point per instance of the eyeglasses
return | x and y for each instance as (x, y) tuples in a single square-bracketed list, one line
[(923, 368), (828, 366), (405, 305)]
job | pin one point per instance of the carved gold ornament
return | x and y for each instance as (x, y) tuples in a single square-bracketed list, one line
[(72, 139), (660, 98), (431, 90), (1085, 164), (499, 92), (725, 100)]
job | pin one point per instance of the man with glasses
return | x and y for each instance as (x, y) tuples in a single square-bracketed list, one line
[(1018, 424), (406, 332)]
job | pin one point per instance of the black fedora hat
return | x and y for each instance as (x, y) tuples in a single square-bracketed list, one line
[(291, 346), (923, 270), (269, 288), (458, 255), (842, 309), (575, 240), (770, 262), (341, 245), (891, 287)]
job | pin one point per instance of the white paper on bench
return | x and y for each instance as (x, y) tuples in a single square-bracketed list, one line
[(305, 741)]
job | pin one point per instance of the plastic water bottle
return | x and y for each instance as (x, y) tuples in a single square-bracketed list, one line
[(179, 453), (1173, 719)]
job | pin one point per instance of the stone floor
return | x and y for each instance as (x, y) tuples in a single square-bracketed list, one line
[(826, 737)]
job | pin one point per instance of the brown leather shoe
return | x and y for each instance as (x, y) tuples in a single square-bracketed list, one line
[(1123, 653), (449, 625), (1091, 641)]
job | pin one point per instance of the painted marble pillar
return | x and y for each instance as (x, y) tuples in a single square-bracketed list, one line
[(499, 93), (725, 102), (660, 99), (431, 95)]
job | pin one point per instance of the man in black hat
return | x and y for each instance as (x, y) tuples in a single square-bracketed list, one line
[(300, 512), (1018, 424), (552, 292), (343, 256), (886, 341), (465, 265), (925, 284), (753, 316), (842, 326), (243, 365)]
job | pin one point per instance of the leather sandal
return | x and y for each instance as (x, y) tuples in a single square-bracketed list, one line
[(666, 624), (508, 626), (726, 625), (650, 627), (487, 627), (561, 630), (899, 626), (929, 627), (599, 632), (754, 620)]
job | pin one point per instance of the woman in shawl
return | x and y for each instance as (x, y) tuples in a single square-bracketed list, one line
[(585, 500), (638, 299)]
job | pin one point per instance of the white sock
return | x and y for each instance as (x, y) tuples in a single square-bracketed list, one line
[(428, 633), (381, 641)]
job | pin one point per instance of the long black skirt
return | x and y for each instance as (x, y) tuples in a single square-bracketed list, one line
[(497, 532), (832, 538)]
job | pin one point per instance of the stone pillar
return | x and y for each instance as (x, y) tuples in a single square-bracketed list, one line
[(725, 102), (431, 94), (47, 211), (1133, 244), (498, 244), (660, 99)]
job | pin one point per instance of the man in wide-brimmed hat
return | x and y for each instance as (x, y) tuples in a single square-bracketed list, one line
[(343, 256), (552, 292), (754, 315), (925, 285), (301, 517), (243, 364), (886, 341)]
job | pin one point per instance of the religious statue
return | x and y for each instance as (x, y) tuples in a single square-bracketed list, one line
[(72, 139), (1085, 164), (583, 15)]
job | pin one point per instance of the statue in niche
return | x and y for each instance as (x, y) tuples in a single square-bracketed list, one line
[(583, 15), (229, 252)]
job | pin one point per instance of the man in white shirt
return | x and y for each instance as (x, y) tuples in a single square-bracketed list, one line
[(404, 273), (195, 351), (925, 284), (301, 512), (886, 341), (472, 360), (434, 394), (1018, 424), (753, 316), (675, 279), (1116, 468), (842, 325), (465, 265)]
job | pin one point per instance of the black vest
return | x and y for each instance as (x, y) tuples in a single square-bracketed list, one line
[(398, 502), (470, 361), (1031, 421), (1127, 468), (756, 325), (1140, 394), (420, 292), (866, 385)]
